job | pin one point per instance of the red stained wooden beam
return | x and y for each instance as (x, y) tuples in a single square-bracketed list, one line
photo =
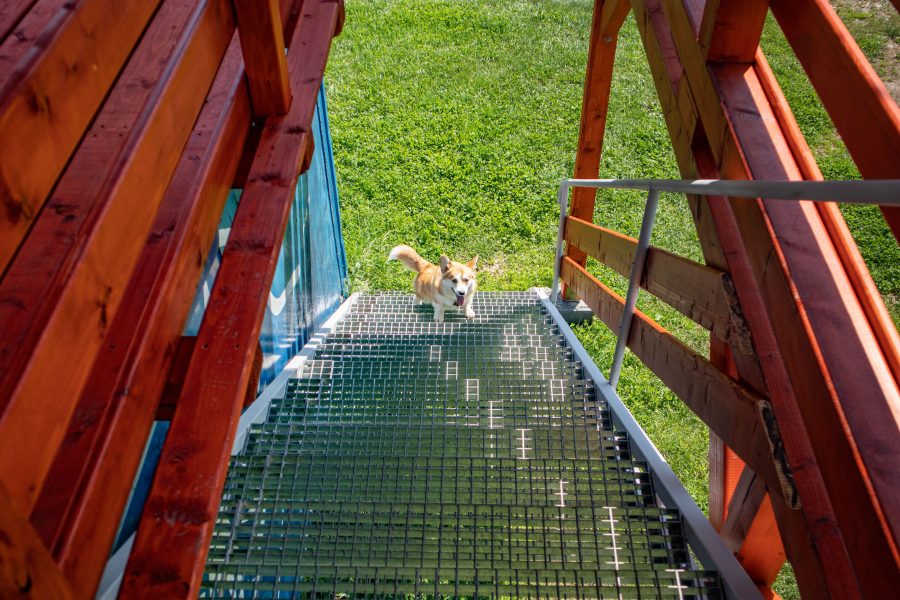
[(811, 535), (607, 20), (845, 391), (860, 105), (751, 532), (168, 403), (731, 29), (247, 154), (54, 74), (79, 508), (815, 315), (262, 44), (11, 12), (60, 294), (866, 291), (26, 568), (172, 542)]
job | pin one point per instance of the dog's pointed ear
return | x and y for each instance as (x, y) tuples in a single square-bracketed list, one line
[(471, 264), (445, 263)]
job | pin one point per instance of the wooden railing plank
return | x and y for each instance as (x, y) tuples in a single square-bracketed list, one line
[(181, 360), (170, 550), (859, 104), (48, 97), (79, 508), (697, 291), (727, 407), (262, 44), (27, 570), (66, 283)]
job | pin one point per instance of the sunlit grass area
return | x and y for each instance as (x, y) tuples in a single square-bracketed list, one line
[(454, 120)]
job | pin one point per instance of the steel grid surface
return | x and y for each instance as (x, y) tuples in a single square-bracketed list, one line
[(467, 459)]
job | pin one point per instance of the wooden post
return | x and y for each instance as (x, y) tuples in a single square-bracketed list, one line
[(608, 18), (865, 115), (178, 518), (64, 288), (26, 568), (698, 130), (72, 74), (731, 29), (262, 43)]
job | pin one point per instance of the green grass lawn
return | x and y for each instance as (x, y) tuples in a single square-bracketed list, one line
[(454, 120)]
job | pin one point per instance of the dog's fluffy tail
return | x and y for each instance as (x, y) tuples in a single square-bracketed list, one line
[(408, 257)]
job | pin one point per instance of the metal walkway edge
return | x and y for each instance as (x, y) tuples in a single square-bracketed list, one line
[(471, 459)]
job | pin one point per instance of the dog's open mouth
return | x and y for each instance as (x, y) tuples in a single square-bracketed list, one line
[(460, 299)]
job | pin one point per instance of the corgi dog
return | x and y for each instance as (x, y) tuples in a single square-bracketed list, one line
[(450, 284)]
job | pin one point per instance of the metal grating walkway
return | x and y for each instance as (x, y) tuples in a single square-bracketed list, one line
[(465, 459)]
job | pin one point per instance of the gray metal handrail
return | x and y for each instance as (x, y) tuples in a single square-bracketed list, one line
[(870, 191)]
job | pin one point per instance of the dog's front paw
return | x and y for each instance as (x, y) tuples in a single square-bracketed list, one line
[(470, 314)]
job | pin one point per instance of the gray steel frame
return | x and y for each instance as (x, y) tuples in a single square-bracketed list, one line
[(702, 537)]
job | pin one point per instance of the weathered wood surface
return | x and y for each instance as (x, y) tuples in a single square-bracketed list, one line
[(79, 508), (727, 407), (11, 12), (170, 550), (697, 291), (27, 570), (817, 316), (869, 297), (607, 20), (48, 98), (751, 531), (262, 45), (814, 540), (60, 294), (730, 29), (859, 104)]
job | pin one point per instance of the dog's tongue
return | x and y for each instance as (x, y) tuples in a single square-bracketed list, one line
[(460, 300)]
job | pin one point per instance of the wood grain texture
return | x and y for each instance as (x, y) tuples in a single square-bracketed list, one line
[(27, 570), (170, 550), (11, 12), (79, 508), (262, 44), (846, 393), (54, 74), (747, 497), (751, 531), (731, 29), (727, 407), (699, 292), (607, 20), (861, 280), (181, 360), (805, 289), (812, 537), (859, 104), (64, 288)]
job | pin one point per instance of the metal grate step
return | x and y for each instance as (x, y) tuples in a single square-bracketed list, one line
[(470, 458)]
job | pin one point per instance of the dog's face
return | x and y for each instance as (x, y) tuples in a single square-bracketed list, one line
[(458, 278)]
